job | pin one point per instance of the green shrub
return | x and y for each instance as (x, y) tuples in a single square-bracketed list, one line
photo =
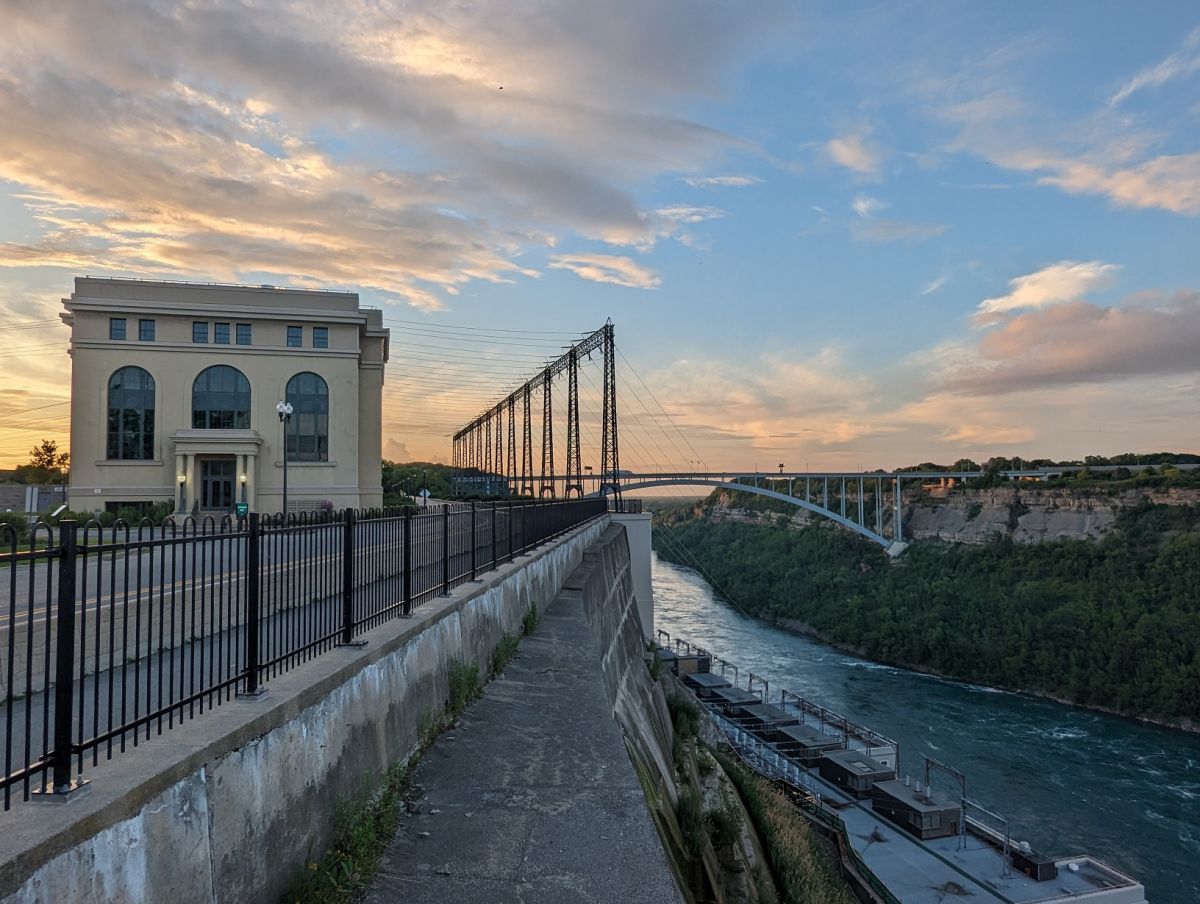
[(690, 812), (724, 825), (13, 524), (684, 716)]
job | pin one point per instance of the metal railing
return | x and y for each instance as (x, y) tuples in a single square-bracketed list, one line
[(109, 635)]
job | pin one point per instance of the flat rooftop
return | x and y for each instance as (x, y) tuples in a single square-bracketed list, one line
[(706, 680), (919, 801), (735, 696), (810, 736), (766, 713), (858, 761)]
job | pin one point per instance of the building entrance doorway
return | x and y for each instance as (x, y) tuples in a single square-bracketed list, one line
[(216, 484)]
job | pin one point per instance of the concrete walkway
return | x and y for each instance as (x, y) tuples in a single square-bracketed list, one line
[(532, 798)]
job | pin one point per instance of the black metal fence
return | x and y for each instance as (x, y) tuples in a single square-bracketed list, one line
[(110, 635)]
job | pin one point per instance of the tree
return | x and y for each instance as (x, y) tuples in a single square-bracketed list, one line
[(46, 465)]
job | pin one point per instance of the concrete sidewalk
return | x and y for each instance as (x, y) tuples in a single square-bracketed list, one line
[(532, 798)]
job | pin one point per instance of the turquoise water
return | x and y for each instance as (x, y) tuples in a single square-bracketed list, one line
[(1069, 781)]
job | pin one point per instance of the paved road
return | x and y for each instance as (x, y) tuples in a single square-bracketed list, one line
[(159, 565)]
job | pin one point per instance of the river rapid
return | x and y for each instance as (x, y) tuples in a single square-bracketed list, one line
[(1069, 780)]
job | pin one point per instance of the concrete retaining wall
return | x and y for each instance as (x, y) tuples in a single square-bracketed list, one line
[(230, 806), (605, 585)]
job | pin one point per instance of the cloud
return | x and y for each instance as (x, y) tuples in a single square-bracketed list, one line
[(1059, 283), (1074, 342), (1177, 65), (1170, 182), (855, 152), (680, 213), (608, 268), (722, 181), (395, 450), (896, 230), (964, 423), (935, 284), (771, 398), (1099, 154), (465, 135), (866, 206)]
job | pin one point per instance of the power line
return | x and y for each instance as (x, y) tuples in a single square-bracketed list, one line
[(484, 329)]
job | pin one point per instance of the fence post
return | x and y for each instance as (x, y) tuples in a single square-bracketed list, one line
[(61, 784), (495, 561), (408, 523), (253, 587), (474, 537), (445, 550), (510, 532), (348, 552)]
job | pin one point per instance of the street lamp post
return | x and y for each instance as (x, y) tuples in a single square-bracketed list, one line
[(284, 410), (182, 480)]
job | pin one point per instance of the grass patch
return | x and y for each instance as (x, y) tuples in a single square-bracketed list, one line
[(684, 716), (530, 620), (429, 725), (363, 828), (801, 862), (690, 813), (465, 687), (505, 650), (366, 824)]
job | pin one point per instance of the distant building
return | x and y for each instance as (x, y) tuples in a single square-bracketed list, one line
[(174, 388)]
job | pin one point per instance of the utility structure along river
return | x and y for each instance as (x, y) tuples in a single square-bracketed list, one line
[(1067, 779)]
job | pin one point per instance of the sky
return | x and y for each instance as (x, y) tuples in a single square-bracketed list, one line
[(828, 235)]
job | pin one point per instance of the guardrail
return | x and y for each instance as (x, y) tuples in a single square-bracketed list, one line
[(110, 635)]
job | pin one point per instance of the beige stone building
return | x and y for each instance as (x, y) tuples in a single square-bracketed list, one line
[(174, 388)]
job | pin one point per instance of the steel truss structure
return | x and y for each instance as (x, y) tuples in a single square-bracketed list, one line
[(481, 464)]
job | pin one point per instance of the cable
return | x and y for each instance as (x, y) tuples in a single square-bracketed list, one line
[(476, 329), (658, 403), (34, 408)]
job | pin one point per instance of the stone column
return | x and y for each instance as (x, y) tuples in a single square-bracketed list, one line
[(179, 469), (192, 488), (251, 473)]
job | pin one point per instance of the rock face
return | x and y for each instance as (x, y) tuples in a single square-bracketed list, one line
[(1026, 513)]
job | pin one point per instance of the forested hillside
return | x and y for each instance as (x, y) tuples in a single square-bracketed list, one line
[(1113, 624)]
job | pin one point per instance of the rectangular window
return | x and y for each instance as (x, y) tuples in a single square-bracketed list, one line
[(320, 337), (221, 333), (145, 331), (243, 334), (116, 327), (199, 331), (295, 336)]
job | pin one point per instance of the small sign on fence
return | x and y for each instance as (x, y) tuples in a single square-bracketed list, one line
[(241, 509)]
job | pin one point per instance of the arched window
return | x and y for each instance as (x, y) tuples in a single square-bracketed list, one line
[(131, 415), (308, 429), (221, 399)]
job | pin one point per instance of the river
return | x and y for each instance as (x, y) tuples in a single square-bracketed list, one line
[(1070, 781)]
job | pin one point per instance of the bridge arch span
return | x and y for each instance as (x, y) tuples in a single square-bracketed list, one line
[(893, 548)]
